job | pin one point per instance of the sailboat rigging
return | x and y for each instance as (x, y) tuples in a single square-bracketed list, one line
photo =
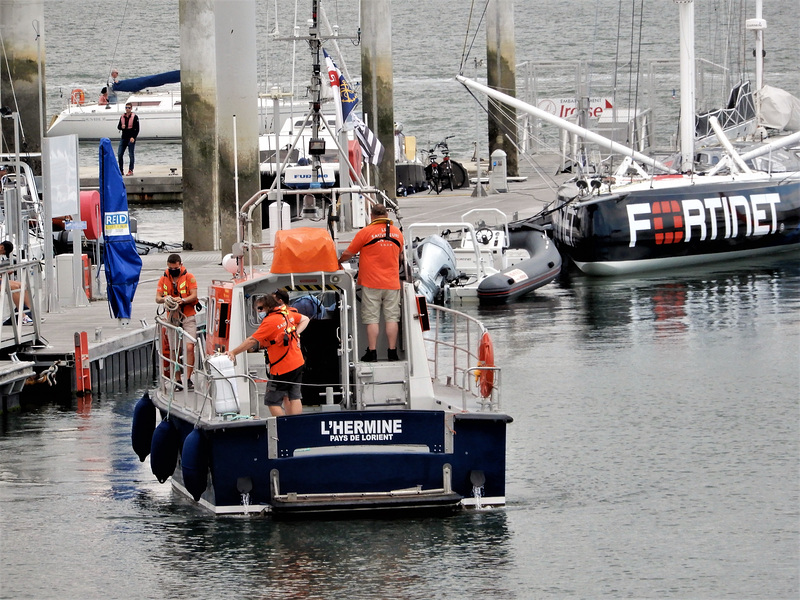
[(635, 220)]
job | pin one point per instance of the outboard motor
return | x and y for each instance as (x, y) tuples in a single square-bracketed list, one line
[(436, 267)]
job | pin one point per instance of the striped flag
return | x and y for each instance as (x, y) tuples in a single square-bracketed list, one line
[(370, 144)]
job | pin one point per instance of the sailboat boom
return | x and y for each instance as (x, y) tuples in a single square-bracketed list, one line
[(581, 132)]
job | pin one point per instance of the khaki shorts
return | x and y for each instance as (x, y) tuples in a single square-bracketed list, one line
[(189, 325), (373, 299)]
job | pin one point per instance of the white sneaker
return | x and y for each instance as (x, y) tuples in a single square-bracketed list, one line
[(26, 320)]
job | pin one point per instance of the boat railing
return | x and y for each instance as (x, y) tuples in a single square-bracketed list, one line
[(454, 356), (20, 286), (203, 400)]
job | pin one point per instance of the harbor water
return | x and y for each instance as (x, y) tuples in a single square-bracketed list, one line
[(654, 454), (655, 448)]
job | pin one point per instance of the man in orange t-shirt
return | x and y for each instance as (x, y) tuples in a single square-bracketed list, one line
[(177, 282), (279, 333), (381, 247)]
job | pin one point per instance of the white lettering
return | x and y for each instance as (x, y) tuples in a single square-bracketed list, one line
[(735, 201), (760, 215), (638, 224), (694, 215), (713, 205), (708, 217), (358, 430)]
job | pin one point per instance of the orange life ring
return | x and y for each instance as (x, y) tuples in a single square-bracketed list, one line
[(486, 359), (78, 97)]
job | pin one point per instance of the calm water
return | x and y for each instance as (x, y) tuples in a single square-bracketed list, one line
[(654, 454), (655, 450)]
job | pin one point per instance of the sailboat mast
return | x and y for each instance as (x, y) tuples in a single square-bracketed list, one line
[(686, 12), (757, 26), (316, 95)]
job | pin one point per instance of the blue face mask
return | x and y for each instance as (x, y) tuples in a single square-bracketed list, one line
[(261, 316)]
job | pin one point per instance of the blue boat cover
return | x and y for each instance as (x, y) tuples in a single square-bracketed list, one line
[(139, 83), (123, 263)]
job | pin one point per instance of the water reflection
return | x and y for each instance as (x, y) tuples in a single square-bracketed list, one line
[(652, 416), (407, 558)]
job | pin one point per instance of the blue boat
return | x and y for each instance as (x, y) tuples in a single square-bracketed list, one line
[(422, 434)]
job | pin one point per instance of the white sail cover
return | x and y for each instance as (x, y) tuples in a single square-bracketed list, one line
[(779, 109)]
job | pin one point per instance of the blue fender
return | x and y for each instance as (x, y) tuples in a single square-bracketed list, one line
[(164, 451), (142, 426), (194, 464)]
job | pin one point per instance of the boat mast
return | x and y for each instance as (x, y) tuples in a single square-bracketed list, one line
[(757, 26), (316, 93), (686, 11)]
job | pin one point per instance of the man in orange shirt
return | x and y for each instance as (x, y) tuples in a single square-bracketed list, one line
[(279, 332), (181, 285), (381, 246)]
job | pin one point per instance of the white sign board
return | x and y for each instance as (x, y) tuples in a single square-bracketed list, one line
[(568, 107), (60, 174)]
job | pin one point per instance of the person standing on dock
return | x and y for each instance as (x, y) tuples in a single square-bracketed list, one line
[(381, 246), (177, 290), (279, 332), (129, 126)]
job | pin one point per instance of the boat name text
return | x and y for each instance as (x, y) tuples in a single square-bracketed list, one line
[(373, 430), (717, 217)]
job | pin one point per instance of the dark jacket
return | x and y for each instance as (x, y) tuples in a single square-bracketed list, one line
[(129, 125)]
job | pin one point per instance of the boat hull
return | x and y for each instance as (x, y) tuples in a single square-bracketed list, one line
[(162, 121), (680, 224), (543, 266), (345, 462)]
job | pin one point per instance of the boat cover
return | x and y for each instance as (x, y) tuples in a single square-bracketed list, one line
[(139, 83), (122, 261), (304, 250), (779, 109)]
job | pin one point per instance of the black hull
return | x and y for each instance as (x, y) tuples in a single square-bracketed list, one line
[(647, 229)]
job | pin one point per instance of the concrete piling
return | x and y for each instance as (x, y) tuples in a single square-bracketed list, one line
[(377, 86), (218, 83), (501, 75), (22, 88)]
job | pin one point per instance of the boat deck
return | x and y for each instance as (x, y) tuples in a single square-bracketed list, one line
[(118, 352)]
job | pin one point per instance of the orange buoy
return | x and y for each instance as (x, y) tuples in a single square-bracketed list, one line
[(486, 359), (78, 97)]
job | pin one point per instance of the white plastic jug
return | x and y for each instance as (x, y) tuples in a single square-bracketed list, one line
[(226, 394)]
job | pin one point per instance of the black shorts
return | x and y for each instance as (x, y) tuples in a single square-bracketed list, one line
[(286, 384)]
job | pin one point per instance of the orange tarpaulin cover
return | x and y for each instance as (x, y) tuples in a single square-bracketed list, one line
[(304, 250)]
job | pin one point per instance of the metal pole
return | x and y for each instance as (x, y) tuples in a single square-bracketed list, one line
[(42, 129)]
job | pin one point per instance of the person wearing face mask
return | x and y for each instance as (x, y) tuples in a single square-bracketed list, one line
[(181, 286), (279, 333)]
